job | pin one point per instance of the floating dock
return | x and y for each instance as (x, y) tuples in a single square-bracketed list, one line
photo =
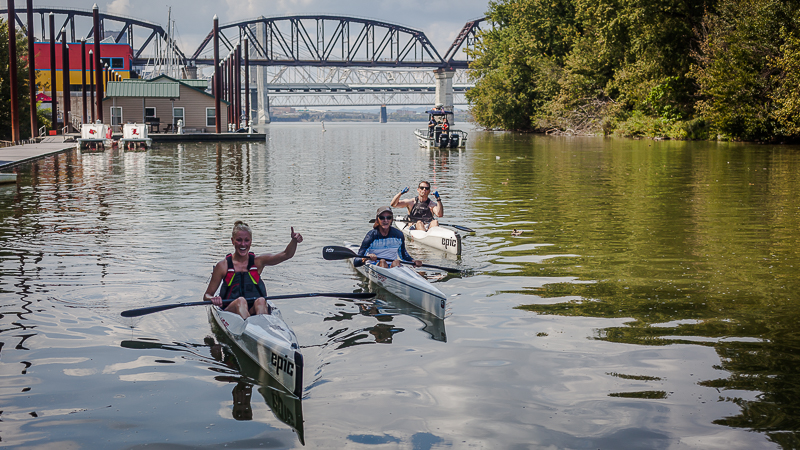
[(21, 154)]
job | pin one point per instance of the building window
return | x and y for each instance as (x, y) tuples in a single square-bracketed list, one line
[(177, 114), (149, 113), (116, 115), (113, 63), (211, 117)]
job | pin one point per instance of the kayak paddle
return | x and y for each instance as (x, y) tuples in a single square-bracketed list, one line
[(152, 309), (457, 227), (335, 252)]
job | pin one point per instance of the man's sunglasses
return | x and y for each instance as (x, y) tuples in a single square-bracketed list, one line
[(385, 217), (425, 188)]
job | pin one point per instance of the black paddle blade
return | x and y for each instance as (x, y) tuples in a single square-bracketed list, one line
[(335, 253), (459, 227)]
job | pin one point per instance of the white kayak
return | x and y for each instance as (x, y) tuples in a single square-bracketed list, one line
[(268, 341), (436, 237), (405, 283)]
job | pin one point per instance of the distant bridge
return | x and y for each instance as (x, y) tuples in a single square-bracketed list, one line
[(300, 40), (380, 62)]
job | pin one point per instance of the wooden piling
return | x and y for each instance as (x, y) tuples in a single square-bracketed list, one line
[(53, 92), (247, 81), (83, 79), (32, 72), (12, 71), (97, 63), (91, 84), (65, 84), (217, 75)]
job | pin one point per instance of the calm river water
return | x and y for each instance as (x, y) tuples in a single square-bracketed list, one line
[(651, 300)]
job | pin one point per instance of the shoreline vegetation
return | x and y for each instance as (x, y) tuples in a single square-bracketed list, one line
[(665, 69)]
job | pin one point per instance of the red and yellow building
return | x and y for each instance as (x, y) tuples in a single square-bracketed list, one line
[(117, 56)]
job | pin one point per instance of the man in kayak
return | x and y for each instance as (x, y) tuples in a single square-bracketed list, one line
[(240, 273), (384, 243), (422, 211)]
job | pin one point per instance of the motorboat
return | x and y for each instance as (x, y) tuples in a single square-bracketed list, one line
[(437, 136)]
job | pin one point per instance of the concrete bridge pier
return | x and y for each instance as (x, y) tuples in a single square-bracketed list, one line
[(444, 90), (384, 118)]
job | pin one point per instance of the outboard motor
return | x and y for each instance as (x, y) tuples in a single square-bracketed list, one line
[(444, 140), (454, 138)]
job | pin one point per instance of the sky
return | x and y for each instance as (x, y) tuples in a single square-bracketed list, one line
[(440, 20)]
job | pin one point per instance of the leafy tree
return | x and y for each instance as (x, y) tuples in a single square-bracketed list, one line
[(22, 85), (739, 66), (518, 62), (787, 92), (552, 63)]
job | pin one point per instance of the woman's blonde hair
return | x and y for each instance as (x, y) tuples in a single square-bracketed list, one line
[(241, 226)]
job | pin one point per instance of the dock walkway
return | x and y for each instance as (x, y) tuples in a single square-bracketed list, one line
[(20, 154), (51, 145)]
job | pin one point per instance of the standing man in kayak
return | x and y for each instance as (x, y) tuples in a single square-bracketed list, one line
[(384, 242), (240, 273), (422, 211)]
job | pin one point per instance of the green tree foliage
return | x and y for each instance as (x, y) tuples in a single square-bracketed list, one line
[(741, 70), (545, 60), (22, 85), (519, 62), (787, 94), (641, 67)]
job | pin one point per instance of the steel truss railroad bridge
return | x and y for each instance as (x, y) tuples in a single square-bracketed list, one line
[(301, 60)]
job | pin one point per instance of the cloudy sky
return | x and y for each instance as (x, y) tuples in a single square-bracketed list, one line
[(440, 20)]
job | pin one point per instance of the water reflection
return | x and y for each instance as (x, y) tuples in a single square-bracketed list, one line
[(236, 368), (691, 246), (391, 304), (286, 407)]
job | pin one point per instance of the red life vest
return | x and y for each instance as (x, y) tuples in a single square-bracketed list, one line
[(242, 284)]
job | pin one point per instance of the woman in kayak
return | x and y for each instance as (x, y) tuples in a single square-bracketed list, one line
[(384, 243), (240, 273)]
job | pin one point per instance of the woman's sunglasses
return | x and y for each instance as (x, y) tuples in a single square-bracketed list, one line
[(385, 217)]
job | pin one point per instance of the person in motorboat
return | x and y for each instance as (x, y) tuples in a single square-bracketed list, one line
[(431, 126), (239, 274), (445, 126), (384, 242), (422, 210)]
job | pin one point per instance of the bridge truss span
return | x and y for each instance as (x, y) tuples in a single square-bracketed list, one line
[(275, 75), (325, 40), (155, 42)]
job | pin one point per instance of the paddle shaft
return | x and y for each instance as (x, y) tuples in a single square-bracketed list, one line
[(457, 227), (152, 309), (335, 252)]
